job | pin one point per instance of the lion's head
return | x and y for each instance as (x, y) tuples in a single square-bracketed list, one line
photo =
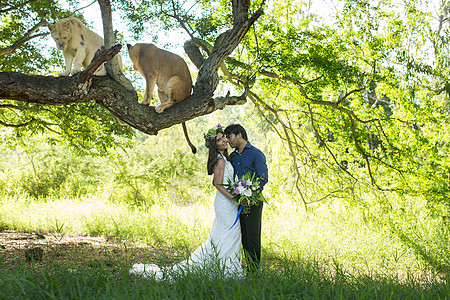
[(62, 30)]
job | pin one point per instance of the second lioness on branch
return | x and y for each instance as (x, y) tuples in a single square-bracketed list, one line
[(168, 71)]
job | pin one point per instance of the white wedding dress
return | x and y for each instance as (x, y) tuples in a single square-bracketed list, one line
[(221, 251)]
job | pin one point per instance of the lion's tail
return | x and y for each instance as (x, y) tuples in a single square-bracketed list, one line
[(193, 149)]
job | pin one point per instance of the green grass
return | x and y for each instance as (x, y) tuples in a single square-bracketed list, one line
[(329, 252), (290, 280), (171, 224)]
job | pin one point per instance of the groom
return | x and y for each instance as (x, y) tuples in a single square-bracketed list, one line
[(247, 158)]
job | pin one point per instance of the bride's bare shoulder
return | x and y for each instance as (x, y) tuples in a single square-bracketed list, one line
[(220, 162)]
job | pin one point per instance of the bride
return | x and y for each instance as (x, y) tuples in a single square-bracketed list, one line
[(222, 248)]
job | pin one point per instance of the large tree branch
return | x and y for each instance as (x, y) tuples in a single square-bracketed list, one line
[(207, 79), (120, 99), (99, 58), (121, 102)]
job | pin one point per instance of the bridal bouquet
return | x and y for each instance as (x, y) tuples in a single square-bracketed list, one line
[(245, 191)]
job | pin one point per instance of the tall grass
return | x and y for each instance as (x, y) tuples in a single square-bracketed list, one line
[(169, 224), (327, 253), (151, 195), (331, 234), (300, 280)]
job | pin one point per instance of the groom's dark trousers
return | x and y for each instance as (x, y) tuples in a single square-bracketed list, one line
[(252, 161), (251, 236)]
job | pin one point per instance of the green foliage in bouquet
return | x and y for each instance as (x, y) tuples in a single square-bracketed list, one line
[(246, 191)]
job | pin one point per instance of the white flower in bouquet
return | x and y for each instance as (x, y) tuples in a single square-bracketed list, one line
[(245, 190), (239, 188)]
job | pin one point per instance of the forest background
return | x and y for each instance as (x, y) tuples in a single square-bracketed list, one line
[(350, 107)]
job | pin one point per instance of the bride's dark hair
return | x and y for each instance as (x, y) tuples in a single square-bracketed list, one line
[(213, 153)]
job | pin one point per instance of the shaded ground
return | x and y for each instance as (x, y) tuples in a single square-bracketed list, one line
[(79, 251), (47, 248), (50, 265)]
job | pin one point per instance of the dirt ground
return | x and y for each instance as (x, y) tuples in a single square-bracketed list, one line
[(49, 248), (79, 251)]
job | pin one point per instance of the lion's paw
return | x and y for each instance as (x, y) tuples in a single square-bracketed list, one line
[(64, 74), (147, 101), (159, 109)]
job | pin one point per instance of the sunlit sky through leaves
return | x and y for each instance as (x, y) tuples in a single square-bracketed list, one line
[(92, 14)]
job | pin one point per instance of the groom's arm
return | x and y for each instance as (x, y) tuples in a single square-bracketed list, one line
[(262, 172)]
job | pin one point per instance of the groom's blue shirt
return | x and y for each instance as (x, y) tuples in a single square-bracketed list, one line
[(250, 160)]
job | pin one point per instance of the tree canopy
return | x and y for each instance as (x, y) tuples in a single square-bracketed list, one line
[(358, 96)]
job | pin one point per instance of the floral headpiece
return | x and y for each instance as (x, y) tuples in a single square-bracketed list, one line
[(212, 133)]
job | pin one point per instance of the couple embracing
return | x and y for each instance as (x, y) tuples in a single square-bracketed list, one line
[(231, 228)]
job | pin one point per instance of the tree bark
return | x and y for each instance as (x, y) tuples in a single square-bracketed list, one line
[(112, 66), (117, 96)]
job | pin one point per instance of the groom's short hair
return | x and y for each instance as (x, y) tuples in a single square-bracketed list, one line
[(235, 129)]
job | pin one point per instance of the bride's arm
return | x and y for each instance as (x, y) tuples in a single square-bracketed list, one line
[(219, 169)]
